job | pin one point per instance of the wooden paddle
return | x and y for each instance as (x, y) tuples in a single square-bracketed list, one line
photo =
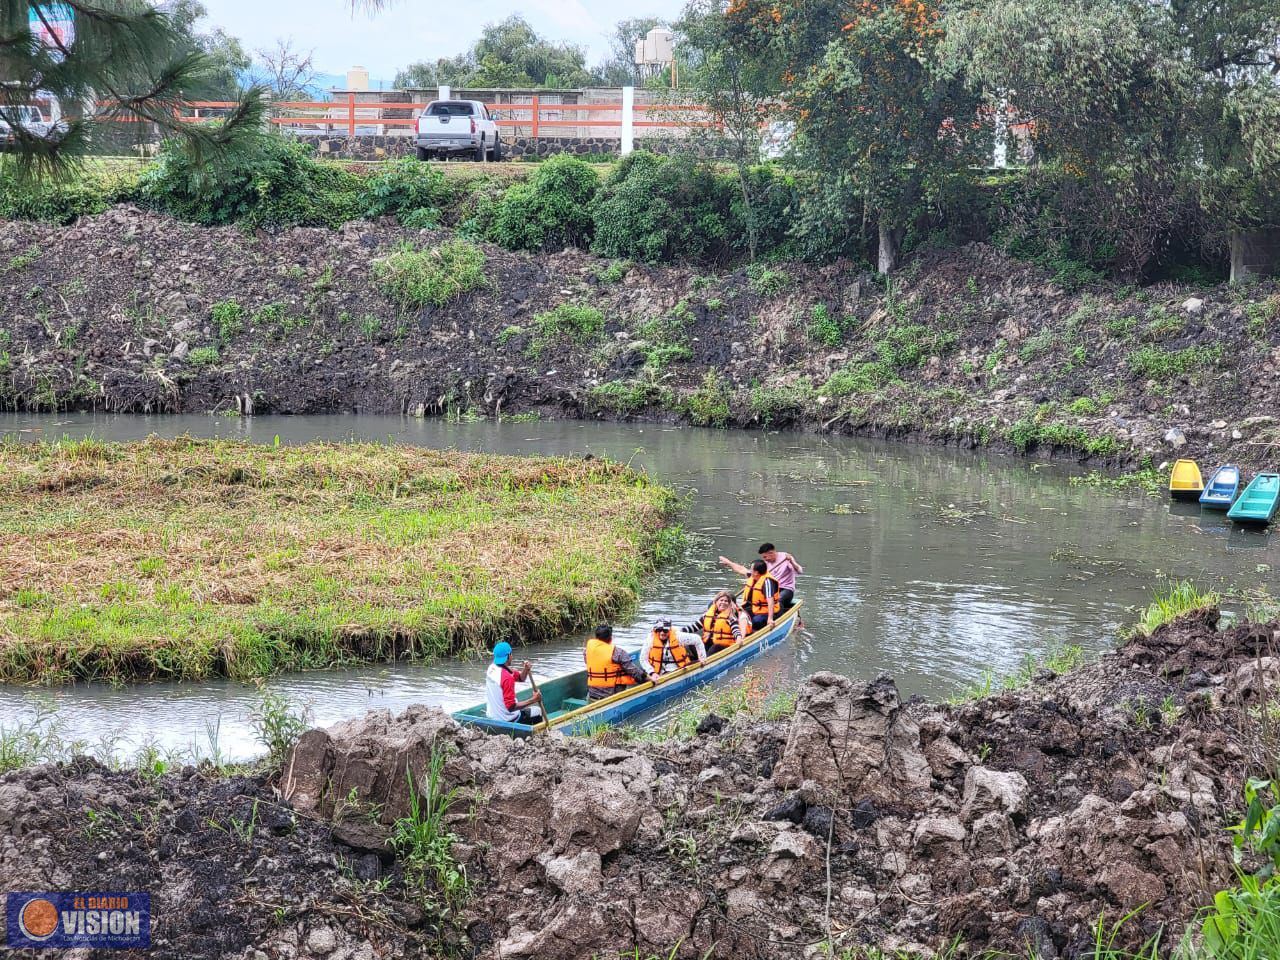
[(546, 714)]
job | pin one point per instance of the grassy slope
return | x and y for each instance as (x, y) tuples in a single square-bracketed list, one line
[(187, 558)]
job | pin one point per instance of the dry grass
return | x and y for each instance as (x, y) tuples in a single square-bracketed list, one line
[(186, 558)]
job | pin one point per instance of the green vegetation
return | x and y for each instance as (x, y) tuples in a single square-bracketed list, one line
[(1148, 479), (1030, 433), (664, 338), (416, 278), (1059, 660), (1178, 598), (425, 843), (1244, 922), (203, 356), (861, 378), (1261, 316), (709, 405), (277, 724), (569, 322), (781, 405), (228, 317), (767, 281), (1161, 365), (750, 696), (412, 192), (824, 328), (293, 557), (627, 399), (549, 211), (910, 345), (615, 271)]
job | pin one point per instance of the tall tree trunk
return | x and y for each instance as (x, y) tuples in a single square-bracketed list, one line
[(890, 239)]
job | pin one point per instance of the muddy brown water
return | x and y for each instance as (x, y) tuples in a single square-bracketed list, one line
[(934, 565)]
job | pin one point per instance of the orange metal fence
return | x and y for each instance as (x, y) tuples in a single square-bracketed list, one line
[(348, 114)]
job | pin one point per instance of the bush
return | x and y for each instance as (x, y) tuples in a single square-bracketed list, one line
[(406, 189), (1159, 364), (87, 192), (568, 321), (910, 345), (708, 406), (661, 209), (863, 378), (549, 211), (275, 183), (781, 405), (433, 277), (228, 317)]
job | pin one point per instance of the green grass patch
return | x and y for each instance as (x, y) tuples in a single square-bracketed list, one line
[(858, 379), (709, 405), (203, 357), (766, 281), (626, 399), (228, 317), (1161, 365), (416, 278), (1148, 479), (569, 322), (911, 344), (825, 328), (1030, 432), (1061, 659), (294, 557), (783, 404), (1178, 598)]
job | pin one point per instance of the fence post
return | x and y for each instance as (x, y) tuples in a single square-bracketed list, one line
[(351, 116), (536, 110), (628, 119)]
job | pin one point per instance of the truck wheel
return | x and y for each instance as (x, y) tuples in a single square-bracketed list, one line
[(497, 149), (423, 153), (479, 154)]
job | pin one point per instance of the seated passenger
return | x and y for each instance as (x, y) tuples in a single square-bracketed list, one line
[(721, 626), (666, 648), (500, 690), (760, 597), (610, 668)]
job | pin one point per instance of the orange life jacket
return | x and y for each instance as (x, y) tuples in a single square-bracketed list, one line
[(717, 628), (753, 597), (601, 670), (669, 651)]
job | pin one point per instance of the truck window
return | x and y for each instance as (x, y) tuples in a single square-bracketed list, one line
[(460, 109)]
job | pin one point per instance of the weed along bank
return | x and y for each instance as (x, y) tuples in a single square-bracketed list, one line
[(182, 559)]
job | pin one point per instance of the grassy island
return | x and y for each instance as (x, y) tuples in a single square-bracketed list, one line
[(190, 558)]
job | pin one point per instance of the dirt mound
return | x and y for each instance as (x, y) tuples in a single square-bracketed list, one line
[(135, 312), (1006, 822)]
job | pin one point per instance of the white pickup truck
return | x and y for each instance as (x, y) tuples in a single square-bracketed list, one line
[(31, 120), (457, 126)]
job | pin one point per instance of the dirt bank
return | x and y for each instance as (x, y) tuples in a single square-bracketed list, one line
[(1012, 822), (966, 346)]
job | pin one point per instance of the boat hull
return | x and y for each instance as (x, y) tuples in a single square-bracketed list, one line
[(1221, 490), (1185, 481), (643, 696), (1258, 504)]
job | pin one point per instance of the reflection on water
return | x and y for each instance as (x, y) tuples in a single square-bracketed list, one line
[(931, 565)]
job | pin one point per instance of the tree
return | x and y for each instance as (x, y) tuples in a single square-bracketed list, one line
[(112, 60), (507, 54), (725, 74), (619, 69), (227, 59), (869, 98), (286, 72)]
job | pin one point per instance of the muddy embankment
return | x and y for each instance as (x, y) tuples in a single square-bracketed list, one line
[(967, 346), (1012, 822)]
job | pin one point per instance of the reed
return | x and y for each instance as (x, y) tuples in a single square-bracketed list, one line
[(188, 558)]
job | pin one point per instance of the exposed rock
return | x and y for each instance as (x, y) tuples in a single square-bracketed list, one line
[(1175, 438), (986, 790)]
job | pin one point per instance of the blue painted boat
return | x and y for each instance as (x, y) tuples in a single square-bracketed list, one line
[(568, 710), (1220, 492), (1259, 501)]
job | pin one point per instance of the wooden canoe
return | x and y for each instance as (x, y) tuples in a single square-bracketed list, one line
[(1185, 482), (565, 698), (1220, 492), (1259, 501)]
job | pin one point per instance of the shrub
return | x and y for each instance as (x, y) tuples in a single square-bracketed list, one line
[(549, 211), (708, 406), (432, 277), (765, 281), (627, 398), (203, 356), (823, 327), (614, 272), (910, 345), (781, 405), (654, 209), (569, 321), (407, 190), (86, 192), (274, 183)]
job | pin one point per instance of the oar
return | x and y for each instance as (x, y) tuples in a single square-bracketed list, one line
[(546, 714)]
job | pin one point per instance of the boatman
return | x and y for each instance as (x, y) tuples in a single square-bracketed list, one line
[(500, 690), (609, 667), (784, 568), (760, 596)]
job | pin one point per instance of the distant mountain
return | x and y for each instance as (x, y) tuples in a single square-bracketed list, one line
[(325, 83)]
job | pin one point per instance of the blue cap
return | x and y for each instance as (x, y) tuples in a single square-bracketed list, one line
[(502, 653)]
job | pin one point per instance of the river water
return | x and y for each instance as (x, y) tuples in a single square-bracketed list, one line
[(933, 565)]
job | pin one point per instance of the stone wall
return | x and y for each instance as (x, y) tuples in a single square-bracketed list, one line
[(1255, 253), (384, 147)]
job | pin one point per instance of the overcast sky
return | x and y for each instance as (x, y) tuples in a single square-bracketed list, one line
[(409, 30)]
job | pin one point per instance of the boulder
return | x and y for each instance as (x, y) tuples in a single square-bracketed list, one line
[(576, 874), (1175, 438), (986, 790), (854, 741), (933, 830)]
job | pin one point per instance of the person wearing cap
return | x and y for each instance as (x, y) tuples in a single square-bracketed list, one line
[(609, 667), (667, 648), (500, 689)]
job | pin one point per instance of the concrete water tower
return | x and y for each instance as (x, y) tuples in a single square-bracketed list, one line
[(655, 52), (358, 78)]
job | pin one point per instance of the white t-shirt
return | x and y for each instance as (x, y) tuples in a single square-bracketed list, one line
[(495, 707)]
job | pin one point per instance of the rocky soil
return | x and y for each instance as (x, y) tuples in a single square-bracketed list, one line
[(1011, 823), (116, 312)]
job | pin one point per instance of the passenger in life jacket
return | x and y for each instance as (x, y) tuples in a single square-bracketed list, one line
[(760, 597), (722, 625), (667, 648), (609, 667)]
